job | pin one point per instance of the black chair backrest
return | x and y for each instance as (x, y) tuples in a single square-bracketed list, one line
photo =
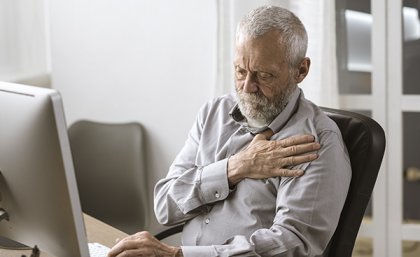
[(365, 141)]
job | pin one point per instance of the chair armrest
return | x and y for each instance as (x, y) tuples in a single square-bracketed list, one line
[(169, 232)]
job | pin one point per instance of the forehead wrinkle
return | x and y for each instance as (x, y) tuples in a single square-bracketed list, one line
[(259, 54), (256, 61)]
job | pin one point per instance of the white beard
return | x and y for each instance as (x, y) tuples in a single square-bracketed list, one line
[(260, 110)]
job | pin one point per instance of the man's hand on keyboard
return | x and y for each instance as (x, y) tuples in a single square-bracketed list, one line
[(144, 244)]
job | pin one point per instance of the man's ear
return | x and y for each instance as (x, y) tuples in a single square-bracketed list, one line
[(303, 69)]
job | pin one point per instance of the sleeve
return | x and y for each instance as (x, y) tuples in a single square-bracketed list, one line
[(307, 211), (188, 188)]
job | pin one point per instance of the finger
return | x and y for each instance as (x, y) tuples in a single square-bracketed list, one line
[(289, 173), (300, 149), (265, 135), (296, 140), (133, 253), (122, 246), (268, 133), (259, 137), (296, 160)]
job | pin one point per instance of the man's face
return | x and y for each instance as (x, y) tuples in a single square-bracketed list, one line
[(262, 75)]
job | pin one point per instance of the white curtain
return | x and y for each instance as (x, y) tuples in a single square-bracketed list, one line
[(24, 41), (321, 84)]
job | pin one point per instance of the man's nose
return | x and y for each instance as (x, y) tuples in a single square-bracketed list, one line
[(250, 85)]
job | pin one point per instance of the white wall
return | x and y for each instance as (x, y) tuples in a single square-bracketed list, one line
[(133, 60), (23, 42)]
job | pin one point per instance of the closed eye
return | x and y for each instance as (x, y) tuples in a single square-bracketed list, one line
[(240, 73), (264, 76)]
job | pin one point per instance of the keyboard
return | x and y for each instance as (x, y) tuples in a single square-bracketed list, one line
[(98, 250)]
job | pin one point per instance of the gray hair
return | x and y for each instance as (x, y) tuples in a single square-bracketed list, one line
[(292, 32)]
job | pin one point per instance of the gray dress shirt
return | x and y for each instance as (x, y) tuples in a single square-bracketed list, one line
[(279, 216)]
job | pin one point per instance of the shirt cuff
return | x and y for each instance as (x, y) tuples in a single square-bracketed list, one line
[(214, 182), (198, 251)]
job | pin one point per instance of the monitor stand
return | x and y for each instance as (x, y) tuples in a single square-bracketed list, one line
[(6, 243), (3, 214)]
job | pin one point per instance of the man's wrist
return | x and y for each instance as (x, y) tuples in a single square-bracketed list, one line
[(233, 174)]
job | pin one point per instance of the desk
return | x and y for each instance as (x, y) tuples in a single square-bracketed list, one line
[(97, 231)]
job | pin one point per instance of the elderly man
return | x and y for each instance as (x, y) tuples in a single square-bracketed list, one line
[(237, 184)]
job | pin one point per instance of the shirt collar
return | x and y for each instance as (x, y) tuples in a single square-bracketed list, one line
[(277, 123)]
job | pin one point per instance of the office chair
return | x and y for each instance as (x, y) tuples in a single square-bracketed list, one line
[(110, 172), (365, 142)]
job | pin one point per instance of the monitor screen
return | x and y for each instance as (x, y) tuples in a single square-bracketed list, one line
[(39, 201)]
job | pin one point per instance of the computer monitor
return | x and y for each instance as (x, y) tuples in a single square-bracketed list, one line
[(39, 201)]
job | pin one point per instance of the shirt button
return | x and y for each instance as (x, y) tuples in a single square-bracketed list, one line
[(207, 221), (217, 195)]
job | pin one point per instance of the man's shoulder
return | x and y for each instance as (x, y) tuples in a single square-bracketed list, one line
[(313, 116), (215, 114), (222, 103), (226, 99)]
